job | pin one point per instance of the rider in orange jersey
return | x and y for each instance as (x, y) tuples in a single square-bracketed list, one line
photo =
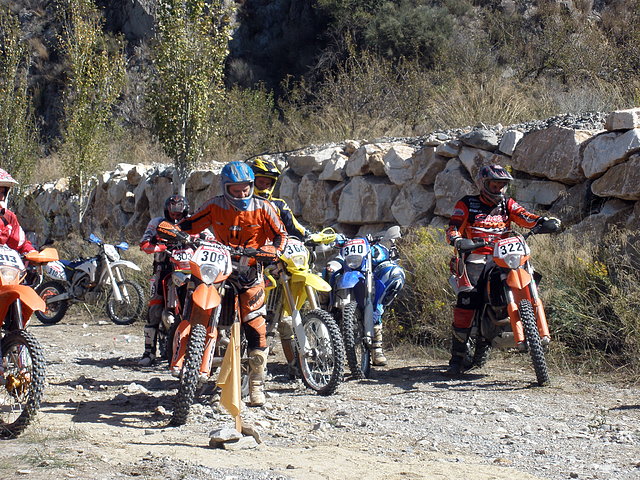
[(238, 218)]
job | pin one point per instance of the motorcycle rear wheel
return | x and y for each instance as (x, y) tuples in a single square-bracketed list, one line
[(534, 345), (130, 308), (358, 354), (22, 382), (323, 367), (54, 311), (189, 375)]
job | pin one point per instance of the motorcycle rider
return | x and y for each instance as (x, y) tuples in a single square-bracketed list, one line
[(238, 218), (266, 175), (11, 233), (176, 208), (485, 216)]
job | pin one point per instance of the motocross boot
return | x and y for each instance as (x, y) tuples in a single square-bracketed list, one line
[(150, 338), (481, 353), (378, 359), (458, 363), (257, 368)]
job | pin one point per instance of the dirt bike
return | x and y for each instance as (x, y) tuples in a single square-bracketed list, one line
[(90, 280), (35, 263), (211, 308), (22, 371), (290, 286), (365, 278), (512, 314)]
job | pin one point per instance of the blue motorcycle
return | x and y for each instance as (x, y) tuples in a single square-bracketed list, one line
[(365, 277)]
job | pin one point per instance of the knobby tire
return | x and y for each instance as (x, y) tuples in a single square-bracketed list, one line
[(136, 294), (534, 344), (189, 375), (20, 345), (358, 355), (54, 311), (323, 370)]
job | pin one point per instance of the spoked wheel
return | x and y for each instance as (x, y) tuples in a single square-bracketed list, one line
[(23, 382), (189, 375), (534, 344), (358, 354), (130, 307), (322, 367), (56, 310)]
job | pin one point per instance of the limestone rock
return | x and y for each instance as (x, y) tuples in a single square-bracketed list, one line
[(311, 162), (509, 141), (413, 203), (451, 185), (482, 139), (552, 153), (538, 192), (607, 150), (620, 181), (316, 203), (367, 200), (623, 119), (398, 164)]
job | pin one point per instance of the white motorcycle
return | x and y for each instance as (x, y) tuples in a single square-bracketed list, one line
[(92, 280)]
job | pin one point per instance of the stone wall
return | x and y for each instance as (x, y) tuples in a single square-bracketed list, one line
[(588, 177)]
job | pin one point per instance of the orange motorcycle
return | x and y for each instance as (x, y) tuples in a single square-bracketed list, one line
[(22, 371), (210, 309), (512, 314)]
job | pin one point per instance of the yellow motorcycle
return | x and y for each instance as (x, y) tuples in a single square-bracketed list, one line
[(292, 291)]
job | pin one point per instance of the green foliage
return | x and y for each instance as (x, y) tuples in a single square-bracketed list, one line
[(94, 83), (247, 123), (18, 135), (422, 312), (188, 56)]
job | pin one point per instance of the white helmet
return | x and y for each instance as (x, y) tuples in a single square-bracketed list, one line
[(8, 181)]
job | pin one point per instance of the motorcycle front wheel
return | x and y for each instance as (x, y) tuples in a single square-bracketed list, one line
[(189, 375), (322, 367), (23, 382), (358, 354), (130, 308), (534, 345), (55, 311)]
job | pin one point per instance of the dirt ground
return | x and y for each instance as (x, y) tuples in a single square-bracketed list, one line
[(105, 418)]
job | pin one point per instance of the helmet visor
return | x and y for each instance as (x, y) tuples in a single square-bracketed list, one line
[(176, 206)]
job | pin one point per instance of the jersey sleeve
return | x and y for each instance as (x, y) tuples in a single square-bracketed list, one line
[(520, 216), (457, 222)]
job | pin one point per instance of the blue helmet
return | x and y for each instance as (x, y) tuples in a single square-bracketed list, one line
[(235, 173), (390, 277)]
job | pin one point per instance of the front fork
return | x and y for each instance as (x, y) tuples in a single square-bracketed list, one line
[(296, 318), (529, 291)]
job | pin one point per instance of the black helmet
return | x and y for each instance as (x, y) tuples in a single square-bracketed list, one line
[(262, 167), (490, 173), (176, 204)]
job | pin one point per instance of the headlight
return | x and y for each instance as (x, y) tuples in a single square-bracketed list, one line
[(299, 260), (353, 261), (111, 252), (513, 260), (9, 275), (209, 273)]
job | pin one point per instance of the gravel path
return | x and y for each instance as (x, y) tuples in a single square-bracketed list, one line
[(105, 418)]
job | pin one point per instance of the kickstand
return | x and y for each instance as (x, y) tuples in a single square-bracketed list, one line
[(89, 311)]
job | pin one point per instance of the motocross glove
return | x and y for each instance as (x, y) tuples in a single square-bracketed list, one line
[(549, 224), (266, 254), (464, 244)]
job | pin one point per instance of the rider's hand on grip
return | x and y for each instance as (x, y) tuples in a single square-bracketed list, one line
[(465, 244), (266, 254), (551, 224)]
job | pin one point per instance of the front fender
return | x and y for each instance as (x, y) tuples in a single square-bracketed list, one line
[(314, 281), (518, 278), (206, 297), (31, 301), (125, 263), (350, 279)]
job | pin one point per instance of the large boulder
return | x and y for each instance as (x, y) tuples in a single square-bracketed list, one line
[(614, 212), (552, 153), (427, 164), (413, 203), (537, 192), (623, 119), (398, 164), (620, 181), (451, 185), (288, 190), (315, 196), (367, 200), (607, 150), (301, 164)]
